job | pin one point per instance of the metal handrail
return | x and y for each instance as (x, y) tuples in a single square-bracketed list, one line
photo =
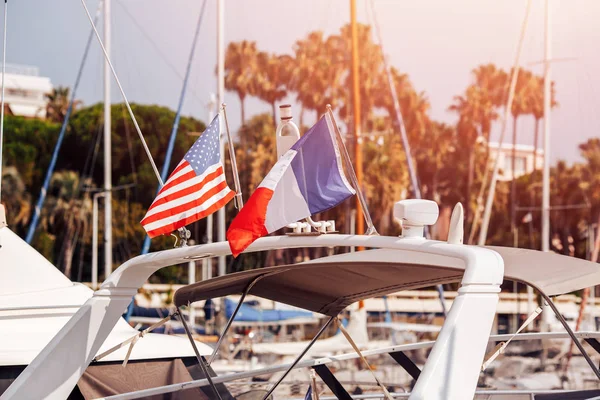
[(343, 357)]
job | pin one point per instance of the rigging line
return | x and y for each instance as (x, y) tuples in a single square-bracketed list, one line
[(491, 191), (2, 96), (63, 129), (173, 136), (412, 169), (162, 55), (114, 73), (399, 119)]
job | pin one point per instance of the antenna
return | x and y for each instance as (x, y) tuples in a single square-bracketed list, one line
[(414, 215)]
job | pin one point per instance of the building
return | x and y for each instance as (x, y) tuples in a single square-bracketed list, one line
[(523, 159), (25, 91)]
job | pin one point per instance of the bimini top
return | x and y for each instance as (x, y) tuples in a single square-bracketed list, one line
[(328, 285)]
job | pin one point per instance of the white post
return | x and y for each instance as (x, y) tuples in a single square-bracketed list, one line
[(547, 106), (95, 239), (191, 279), (454, 363), (107, 149), (221, 100), (547, 315)]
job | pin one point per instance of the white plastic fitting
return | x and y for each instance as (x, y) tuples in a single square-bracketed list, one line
[(413, 215)]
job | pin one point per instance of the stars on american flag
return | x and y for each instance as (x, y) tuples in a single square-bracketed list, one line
[(206, 151)]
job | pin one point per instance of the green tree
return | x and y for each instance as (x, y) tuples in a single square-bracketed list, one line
[(476, 113), (536, 88), (15, 198), (317, 72), (274, 77)]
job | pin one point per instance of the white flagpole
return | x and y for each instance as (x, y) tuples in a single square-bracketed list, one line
[(370, 227), (239, 201)]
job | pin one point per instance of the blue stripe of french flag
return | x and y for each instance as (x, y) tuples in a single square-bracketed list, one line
[(306, 180)]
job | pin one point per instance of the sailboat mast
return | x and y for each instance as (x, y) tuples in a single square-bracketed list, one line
[(221, 100), (547, 106), (360, 226), (107, 148)]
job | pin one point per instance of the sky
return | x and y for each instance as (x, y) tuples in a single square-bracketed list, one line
[(436, 42)]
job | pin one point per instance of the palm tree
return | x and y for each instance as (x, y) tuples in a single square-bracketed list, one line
[(273, 78), (493, 81), (537, 109), (241, 67), (413, 105), (385, 179), (317, 73), (372, 76), (476, 113), (65, 215), (15, 197), (522, 105), (437, 180), (493, 90), (58, 104)]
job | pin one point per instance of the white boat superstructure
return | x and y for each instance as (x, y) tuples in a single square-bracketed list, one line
[(327, 286), (37, 301)]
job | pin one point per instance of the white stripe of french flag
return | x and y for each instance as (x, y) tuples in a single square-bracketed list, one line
[(306, 180)]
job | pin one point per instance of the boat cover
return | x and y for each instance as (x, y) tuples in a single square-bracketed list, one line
[(329, 284)]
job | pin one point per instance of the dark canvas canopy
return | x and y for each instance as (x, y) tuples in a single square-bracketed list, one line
[(328, 285)]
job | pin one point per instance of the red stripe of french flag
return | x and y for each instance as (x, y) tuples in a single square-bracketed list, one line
[(249, 224), (264, 213)]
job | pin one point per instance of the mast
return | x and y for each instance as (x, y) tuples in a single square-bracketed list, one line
[(360, 226), (2, 212), (547, 105), (107, 149), (221, 100)]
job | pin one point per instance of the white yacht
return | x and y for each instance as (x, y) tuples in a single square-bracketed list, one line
[(37, 300), (327, 286)]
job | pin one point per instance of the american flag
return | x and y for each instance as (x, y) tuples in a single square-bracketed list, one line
[(195, 189)]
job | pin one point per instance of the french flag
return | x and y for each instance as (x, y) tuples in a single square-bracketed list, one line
[(306, 180)]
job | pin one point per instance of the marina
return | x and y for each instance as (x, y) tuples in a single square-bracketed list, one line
[(297, 220)]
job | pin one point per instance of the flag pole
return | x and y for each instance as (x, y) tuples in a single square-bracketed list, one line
[(239, 201), (363, 204)]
